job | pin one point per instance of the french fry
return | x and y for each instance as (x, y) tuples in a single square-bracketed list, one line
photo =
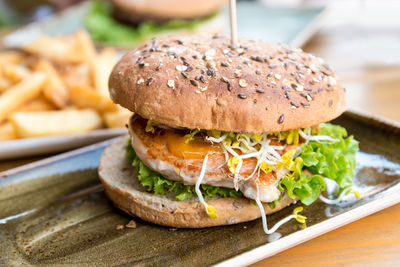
[(20, 93), (55, 89), (86, 97), (5, 84), (85, 45), (42, 86), (14, 72), (35, 124), (10, 57), (78, 74), (102, 68), (117, 119), (60, 49), (37, 104), (7, 132)]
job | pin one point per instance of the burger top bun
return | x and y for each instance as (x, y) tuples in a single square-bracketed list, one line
[(203, 82)]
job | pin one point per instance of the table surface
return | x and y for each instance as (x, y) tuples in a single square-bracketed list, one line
[(364, 50), (362, 45)]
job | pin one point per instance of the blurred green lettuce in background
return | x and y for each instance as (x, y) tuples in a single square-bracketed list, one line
[(105, 29)]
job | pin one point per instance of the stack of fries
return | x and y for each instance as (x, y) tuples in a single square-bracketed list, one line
[(57, 85)]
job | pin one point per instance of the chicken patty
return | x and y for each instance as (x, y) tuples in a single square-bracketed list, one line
[(166, 152)]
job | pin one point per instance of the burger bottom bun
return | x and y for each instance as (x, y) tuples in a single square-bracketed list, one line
[(122, 187)]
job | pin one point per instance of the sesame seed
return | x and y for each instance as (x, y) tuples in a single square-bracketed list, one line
[(329, 88), (179, 42), (211, 72), (287, 95), (272, 66), (139, 60), (224, 64), (203, 88), (141, 65), (140, 81), (294, 104), (277, 76), (242, 96), (242, 83), (331, 80), (194, 56), (238, 73), (201, 78), (297, 87), (189, 69), (319, 90), (286, 88), (304, 95), (210, 65), (266, 59), (229, 86), (240, 50), (246, 61), (286, 65), (258, 71), (260, 91), (210, 53), (171, 84), (304, 104), (194, 82), (281, 118), (330, 102), (257, 58), (159, 67), (181, 68), (184, 75), (325, 73), (224, 79), (149, 81), (198, 92)]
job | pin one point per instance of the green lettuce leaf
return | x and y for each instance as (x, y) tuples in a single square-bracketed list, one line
[(335, 161), (154, 182), (104, 28)]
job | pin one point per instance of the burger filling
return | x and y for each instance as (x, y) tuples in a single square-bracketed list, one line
[(260, 167)]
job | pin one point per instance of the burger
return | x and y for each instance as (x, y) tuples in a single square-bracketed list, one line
[(223, 134), (128, 23)]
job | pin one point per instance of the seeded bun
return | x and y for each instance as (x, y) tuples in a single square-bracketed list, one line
[(134, 11), (203, 82), (122, 187)]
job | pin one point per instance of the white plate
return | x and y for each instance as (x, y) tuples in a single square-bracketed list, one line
[(52, 144)]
